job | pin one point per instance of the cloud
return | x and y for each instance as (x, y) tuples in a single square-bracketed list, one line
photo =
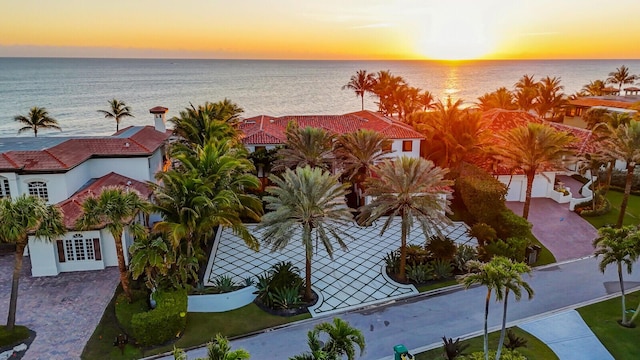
[(546, 33), (372, 26)]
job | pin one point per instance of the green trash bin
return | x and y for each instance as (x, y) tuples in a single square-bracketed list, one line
[(400, 350)]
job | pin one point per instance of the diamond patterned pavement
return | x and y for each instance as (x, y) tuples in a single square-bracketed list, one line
[(353, 279)]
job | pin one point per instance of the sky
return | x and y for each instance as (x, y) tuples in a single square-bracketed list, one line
[(322, 29)]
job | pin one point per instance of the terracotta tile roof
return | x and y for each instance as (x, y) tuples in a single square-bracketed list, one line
[(631, 88), (591, 102), (73, 152), (72, 207), (267, 130), (502, 120), (158, 110), (585, 141)]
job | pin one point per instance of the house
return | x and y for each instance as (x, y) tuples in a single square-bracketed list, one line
[(575, 108), (499, 120), (267, 132), (65, 170)]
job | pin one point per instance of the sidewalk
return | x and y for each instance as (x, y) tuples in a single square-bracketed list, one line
[(424, 319)]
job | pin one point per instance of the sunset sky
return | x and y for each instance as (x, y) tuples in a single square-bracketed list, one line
[(327, 29)]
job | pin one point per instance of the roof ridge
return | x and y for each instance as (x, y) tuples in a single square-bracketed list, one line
[(139, 144), (9, 160), (55, 158)]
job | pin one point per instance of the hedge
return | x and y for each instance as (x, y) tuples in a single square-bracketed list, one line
[(167, 321), (481, 193), (512, 225)]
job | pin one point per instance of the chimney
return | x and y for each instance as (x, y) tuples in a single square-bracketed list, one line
[(159, 120)]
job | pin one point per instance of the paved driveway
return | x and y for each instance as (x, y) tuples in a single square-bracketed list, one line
[(63, 310), (563, 232)]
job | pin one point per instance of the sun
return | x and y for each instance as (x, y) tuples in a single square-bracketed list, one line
[(455, 34)]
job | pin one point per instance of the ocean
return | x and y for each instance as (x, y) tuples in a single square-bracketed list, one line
[(73, 90)]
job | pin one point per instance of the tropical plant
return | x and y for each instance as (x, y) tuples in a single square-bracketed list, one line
[(286, 298), (532, 148), (526, 92), (218, 349), (317, 352), (594, 88), (499, 99), (309, 200), (358, 152), (618, 246), (550, 98), (387, 88), (464, 254), (514, 341), (500, 275), (151, 256), (305, 146), (452, 349), (420, 273), (37, 118), (623, 143), (411, 189), (117, 111), (115, 208), (199, 125), (343, 338), (362, 82), (22, 216), (224, 283), (392, 261), (621, 76), (440, 247)]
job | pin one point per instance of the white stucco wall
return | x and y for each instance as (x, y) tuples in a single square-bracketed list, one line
[(518, 186), (43, 256), (135, 168), (252, 147), (396, 148), (155, 163), (56, 185)]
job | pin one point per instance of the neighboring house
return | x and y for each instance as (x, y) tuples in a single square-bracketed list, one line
[(65, 170), (543, 185), (267, 132), (576, 108)]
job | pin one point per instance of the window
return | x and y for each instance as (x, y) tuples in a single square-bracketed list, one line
[(407, 145), (5, 192), (386, 147), (39, 189), (263, 148), (78, 249)]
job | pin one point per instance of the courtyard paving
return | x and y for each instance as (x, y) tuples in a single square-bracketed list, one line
[(63, 310), (353, 279)]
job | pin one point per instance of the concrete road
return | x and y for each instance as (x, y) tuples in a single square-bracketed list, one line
[(423, 320)]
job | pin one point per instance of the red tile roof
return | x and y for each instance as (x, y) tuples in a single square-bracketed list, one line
[(267, 130), (73, 152), (72, 207), (158, 110)]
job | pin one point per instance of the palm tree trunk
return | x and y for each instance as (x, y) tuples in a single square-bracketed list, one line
[(124, 274), (527, 198), (362, 98), (403, 250), (13, 301), (624, 306), (627, 191), (609, 175), (635, 314), (504, 324), (486, 325), (307, 288)]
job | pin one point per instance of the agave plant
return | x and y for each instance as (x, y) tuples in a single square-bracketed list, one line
[(286, 298)]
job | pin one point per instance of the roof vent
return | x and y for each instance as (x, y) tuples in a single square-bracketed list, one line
[(272, 121), (129, 183), (127, 144)]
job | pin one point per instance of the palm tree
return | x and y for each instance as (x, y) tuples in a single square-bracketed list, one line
[(361, 83), (151, 256), (308, 146), (118, 110), (620, 77), (218, 349), (533, 148), (499, 99), (197, 126), (500, 275), (310, 200), (594, 88), (386, 87), (342, 338), (623, 143), (317, 352), (38, 118), (526, 92), (115, 208), (513, 282), (358, 152), (20, 217), (619, 246), (413, 189), (550, 97)]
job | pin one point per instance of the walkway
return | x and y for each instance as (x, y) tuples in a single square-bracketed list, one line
[(563, 232), (568, 336), (63, 310), (572, 184), (420, 322), (353, 279)]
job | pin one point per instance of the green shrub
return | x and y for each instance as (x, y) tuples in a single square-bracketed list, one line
[(513, 248), (420, 273), (224, 284), (441, 248), (167, 321), (416, 254), (619, 180), (280, 287), (464, 254), (482, 194), (18, 334), (442, 269), (125, 310), (512, 225), (505, 355), (392, 261), (483, 232), (286, 298)]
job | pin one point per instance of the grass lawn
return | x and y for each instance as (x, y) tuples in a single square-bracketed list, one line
[(535, 350), (7, 338), (438, 285), (602, 318), (201, 327), (631, 217)]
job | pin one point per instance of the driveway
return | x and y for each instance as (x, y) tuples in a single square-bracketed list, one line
[(563, 232), (63, 310)]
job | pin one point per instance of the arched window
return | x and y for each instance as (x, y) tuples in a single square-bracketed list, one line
[(39, 189)]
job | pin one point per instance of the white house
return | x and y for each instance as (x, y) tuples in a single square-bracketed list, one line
[(65, 170), (268, 132)]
